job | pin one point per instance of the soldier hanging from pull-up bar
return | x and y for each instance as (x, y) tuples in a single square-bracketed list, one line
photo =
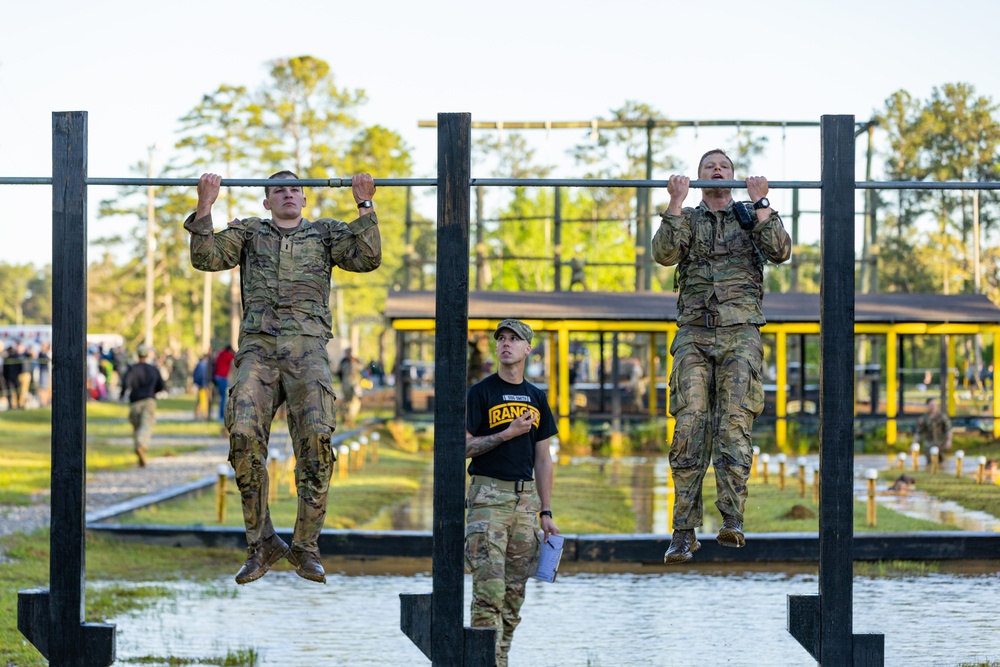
[(720, 248), (285, 265)]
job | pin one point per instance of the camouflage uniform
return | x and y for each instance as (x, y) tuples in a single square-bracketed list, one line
[(715, 384), (933, 430), (142, 417), (285, 278), (502, 537)]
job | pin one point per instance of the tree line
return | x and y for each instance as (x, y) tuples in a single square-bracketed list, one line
[(300, 119)]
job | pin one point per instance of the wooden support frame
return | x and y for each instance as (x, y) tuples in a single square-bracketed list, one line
[(53, 620), (439, 633)]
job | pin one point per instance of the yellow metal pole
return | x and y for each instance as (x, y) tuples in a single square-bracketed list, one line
[(564, 390), (781, 397), (996, 394), (651, 389), (671, 422), (891, 385), (552, 358), (950, 379)]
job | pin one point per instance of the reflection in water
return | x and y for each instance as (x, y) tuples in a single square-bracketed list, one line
[(652, 495), (661, 619)]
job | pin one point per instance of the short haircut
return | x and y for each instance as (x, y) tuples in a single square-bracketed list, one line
[(715, 151), (284, 173)]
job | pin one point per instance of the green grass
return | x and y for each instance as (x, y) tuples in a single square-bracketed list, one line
[(354, 501), (982, 497), (767, 508), (107, 560)]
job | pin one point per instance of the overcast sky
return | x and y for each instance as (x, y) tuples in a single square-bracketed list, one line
[(138, 67)]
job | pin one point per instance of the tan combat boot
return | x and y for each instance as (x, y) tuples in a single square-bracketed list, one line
[(307, 565), (683, 544), (260, 558)]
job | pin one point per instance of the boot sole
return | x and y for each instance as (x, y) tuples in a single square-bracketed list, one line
[(318, 578), (682, 556), (276, 555), (731, 538)]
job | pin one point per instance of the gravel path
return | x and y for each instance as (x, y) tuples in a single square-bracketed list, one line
[(108, 488)]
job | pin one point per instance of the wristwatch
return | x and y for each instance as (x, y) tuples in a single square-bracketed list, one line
[(761, 203), (367, 203), (547, 513)]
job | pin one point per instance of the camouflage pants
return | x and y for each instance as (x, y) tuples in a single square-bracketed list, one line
[(142, 417), (271, 370), (501, 550), (715, 394)]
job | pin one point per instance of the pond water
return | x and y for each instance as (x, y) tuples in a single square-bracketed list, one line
[(734, 617), (651, 491)]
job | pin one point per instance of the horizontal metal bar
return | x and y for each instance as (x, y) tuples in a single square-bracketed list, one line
[(512, 182), (609, 124), (629, 183), (927, 185)]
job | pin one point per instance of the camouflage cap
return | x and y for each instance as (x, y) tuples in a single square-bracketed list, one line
[(142, 350), (522, 330)]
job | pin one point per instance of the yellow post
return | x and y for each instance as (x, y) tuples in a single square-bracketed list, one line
[(363, 452), (764, 460), (933, 458), (996, 394), (564, 389), (753, 461), (802, 476), (222, 470), (872, 477), (781, 471), (890, 388), (982, 469), (781, 397), (816, 484), (343, 461), (950, 379), (901, 458), (651, 388), (551, 356), (374, 444), (355, 456), (959, 455), (671, 422), (274, 473), (915, 453)]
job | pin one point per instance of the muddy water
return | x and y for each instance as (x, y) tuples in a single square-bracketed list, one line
[(651, 491), (662, 619)]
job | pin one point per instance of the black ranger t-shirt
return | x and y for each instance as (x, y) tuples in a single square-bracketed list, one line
[(492, 405)]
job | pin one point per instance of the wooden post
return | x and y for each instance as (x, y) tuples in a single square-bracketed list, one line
[(53, 620), (833, 641), (445, 641)]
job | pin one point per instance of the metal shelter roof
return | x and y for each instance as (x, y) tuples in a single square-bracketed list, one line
[(662, 306)]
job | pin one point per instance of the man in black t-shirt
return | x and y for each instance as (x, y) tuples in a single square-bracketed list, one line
[(508, 426), (141, 384)]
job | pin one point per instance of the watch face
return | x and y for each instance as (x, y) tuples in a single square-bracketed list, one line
[(763, 203)]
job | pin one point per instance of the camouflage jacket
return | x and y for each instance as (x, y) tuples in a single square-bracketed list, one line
[(285, 278), (933, 429), (720, 266)]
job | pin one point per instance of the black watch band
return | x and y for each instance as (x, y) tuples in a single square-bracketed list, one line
[(547, 513), (367, 203)]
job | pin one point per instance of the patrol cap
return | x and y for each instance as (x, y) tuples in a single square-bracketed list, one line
[(517, 326), (142, 350)]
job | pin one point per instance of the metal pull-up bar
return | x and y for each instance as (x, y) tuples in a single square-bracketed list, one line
[(510, 182)]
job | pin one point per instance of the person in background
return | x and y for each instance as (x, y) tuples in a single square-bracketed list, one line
[(141, 384), (203, 387), (934, 430), (223, 364)]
